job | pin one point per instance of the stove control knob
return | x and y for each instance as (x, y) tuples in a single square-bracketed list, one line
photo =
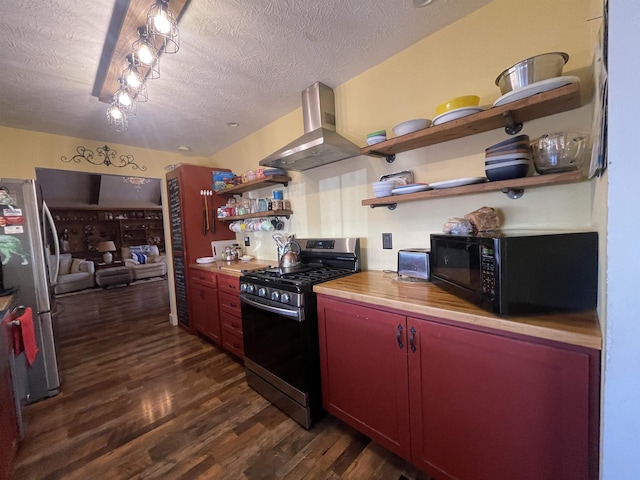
[(250, 289), (284, 298), (262, 292), (275, 296), (243, 287)]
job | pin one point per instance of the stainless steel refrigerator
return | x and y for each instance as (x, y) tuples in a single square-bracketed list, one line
[(30, 266)]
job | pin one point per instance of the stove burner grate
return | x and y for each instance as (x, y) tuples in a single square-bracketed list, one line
[(303, 275)]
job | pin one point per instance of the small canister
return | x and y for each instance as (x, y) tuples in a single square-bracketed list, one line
[(276, 204), (278, 194)]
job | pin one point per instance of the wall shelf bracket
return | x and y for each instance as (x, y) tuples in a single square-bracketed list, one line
[(513, 193), (512, 127), (390, 158), (390, 206)]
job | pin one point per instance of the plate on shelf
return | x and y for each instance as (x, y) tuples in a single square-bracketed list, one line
[(411, 188), (534, 88), (458, 182), (455, 114), (205, 260), (274, 171)]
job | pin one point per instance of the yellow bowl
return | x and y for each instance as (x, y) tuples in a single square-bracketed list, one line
[(458, 102)]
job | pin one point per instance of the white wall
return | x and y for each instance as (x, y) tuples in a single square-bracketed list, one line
[(621, 420)]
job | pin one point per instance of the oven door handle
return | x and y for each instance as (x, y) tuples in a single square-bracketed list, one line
[(294, 314)]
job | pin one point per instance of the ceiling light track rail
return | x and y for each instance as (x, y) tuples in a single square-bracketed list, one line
[(143, 34)]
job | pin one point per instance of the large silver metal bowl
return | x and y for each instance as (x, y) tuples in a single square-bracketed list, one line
[(531, 70)]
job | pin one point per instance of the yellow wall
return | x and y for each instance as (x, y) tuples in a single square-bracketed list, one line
[(464, 58), (24, 150)]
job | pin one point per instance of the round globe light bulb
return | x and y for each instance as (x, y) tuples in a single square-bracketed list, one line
[(161, 23), (133, 80), (115, 113), (145, 55), (124, 98)]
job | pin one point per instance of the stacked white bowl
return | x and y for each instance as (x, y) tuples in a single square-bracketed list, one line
[(383, 188)]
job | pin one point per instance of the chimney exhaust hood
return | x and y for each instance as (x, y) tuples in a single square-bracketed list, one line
[(320, 144)]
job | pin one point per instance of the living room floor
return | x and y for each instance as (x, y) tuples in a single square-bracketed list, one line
[(143, 399)]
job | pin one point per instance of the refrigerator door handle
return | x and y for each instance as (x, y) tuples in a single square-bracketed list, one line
[(53, 276)]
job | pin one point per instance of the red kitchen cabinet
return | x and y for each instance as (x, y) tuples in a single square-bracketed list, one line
[(204, 310), (231, 315), (461, 403), (488, 407), (188, 218), (364, 371), (9, 430)]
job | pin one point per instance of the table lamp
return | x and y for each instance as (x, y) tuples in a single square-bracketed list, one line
[(106, 248)]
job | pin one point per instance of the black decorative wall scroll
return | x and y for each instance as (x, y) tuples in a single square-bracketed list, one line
[(108, 158)]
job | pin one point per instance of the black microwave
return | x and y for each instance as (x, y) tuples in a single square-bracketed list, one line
[(519, 273)]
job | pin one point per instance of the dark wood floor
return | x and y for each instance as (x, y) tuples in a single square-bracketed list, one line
[(143, 399)]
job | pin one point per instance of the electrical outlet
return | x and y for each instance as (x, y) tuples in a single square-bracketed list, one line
[(247, 242), (386, 241)]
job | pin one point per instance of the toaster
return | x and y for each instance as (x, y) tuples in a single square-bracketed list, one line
[(414, 262)]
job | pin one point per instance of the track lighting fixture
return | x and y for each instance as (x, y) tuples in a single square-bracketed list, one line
[(158, 35)]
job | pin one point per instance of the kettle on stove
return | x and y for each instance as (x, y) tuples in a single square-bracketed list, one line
[(289, 257)]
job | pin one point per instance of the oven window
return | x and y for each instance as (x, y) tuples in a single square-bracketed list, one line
[(275, 343)]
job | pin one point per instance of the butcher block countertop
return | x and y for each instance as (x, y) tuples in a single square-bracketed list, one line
[(234, 268), (385, 290), (5, 302)]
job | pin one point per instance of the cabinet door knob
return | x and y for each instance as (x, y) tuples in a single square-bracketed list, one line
[(412, 338), (399, 337)]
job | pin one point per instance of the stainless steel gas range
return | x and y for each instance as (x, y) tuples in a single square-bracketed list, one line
[(280, 325)]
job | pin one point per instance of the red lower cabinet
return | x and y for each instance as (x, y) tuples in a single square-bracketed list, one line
[(364, 375), (203, 299), (487, 407), (231, 315), (460, 403), (9, 432)]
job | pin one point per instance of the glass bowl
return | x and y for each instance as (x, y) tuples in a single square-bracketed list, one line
[(559, 152)]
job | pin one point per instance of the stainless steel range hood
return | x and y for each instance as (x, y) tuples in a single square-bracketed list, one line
[(320, 143)]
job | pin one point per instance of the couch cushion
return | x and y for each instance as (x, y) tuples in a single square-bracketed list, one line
[(73, 277), (65, 264), (146, 249), (76, 264), (141, 258)]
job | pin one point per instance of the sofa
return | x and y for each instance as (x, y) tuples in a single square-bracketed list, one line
[(144, 261), (73, 274)]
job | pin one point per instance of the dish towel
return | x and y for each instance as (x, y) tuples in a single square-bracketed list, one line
[(24, 337)]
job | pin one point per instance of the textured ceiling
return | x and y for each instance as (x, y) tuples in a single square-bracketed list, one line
[(239, 60)]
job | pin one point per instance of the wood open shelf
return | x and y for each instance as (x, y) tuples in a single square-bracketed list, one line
[(505, 185), (255, 184), (554, 101), (269, 213)]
